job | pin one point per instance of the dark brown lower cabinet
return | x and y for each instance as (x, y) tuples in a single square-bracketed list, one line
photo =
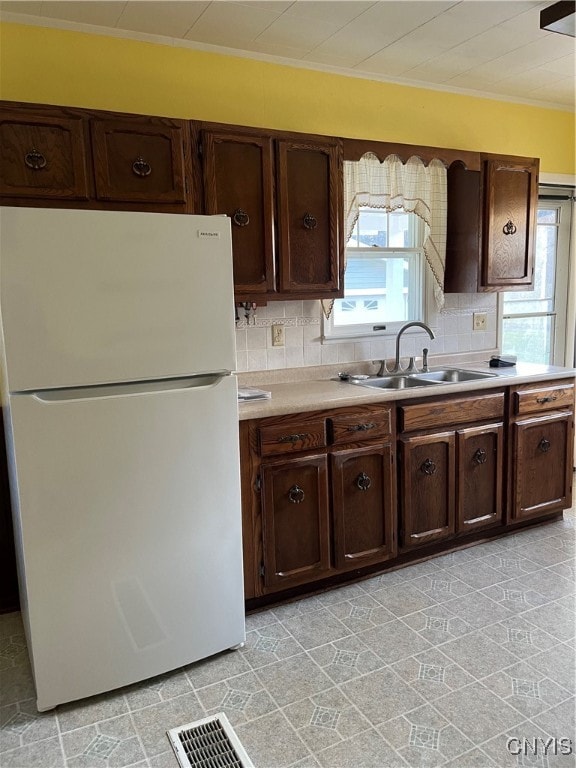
[(326, 499), (452, 467), (480, 467), (427, 500), (319, 496), (451, 482), (541, 449), (295, 521), (362, 491), (542, 464)]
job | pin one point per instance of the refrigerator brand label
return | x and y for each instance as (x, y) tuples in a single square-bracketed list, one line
[(205, 234)]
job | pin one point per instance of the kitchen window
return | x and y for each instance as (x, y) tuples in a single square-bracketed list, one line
[(395, 219), (384, 278)]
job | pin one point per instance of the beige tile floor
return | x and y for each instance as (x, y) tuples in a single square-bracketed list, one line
[(441, 663)]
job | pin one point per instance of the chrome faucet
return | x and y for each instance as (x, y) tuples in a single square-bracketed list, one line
[(397, 369)]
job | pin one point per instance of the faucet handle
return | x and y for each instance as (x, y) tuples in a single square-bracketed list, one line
[(424, 360)]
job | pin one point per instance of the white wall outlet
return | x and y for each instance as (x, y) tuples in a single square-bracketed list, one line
[(277, 335), (479, 321)]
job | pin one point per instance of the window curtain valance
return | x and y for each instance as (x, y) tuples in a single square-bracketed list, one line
[(413, 186)]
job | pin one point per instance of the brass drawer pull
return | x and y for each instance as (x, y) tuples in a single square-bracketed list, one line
[(295, 438), (548, 399), (363, 481), (309, 221), (428, 467), (544, 445), (480, 457), (240, 218), (361, 427), (141, 167), (509, 228), (35, 160), (296, 495)]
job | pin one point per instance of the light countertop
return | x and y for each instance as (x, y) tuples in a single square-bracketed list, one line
[(321, 392)]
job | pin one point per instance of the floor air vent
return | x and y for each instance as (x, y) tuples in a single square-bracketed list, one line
[(209, 743)]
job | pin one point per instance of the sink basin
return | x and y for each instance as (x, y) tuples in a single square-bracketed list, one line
[(393, 382), (452, 375), (405, 381)]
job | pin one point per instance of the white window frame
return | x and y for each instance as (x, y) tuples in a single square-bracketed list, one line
[(423, 287)]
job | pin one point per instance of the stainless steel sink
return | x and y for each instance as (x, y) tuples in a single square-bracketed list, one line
[(405, 381), (452, 375), (392, 382)]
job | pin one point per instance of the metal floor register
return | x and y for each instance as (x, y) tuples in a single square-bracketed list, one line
[(209, 743)]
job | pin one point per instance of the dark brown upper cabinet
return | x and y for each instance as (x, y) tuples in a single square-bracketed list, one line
[(238, 181), (491, 225), (42, 156), (308, 218), (283, 195), (76, 158), (139, 160), (510, 202)]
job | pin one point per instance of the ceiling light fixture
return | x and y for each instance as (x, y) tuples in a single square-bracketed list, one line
[(559, 17)]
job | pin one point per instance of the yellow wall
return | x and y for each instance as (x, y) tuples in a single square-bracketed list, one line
[(77, 69)]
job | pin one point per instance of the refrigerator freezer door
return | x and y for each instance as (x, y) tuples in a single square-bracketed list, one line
[(90, 297), (130, 525)]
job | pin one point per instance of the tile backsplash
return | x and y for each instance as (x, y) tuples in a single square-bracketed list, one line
[(303, 344)]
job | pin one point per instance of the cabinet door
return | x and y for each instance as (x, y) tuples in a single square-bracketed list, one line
[(42, 157), (308, 223), (511, 198), (364, 514), (139, 161), (427, 488), (480, 462), (542, 464), (295, 522), (238, 182), (463, 230)]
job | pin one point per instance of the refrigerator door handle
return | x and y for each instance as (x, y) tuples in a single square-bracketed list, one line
[(200, 381)]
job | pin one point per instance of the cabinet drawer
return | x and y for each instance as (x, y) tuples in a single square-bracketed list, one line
[(458, 410), (355, 427), (291, 437), (546, 397)]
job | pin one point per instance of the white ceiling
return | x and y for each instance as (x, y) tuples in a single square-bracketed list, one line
[(489, 47)]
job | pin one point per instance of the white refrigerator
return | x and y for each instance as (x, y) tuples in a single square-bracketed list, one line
[(121, 416)]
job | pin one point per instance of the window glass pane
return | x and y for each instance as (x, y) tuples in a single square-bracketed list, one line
[(379, 289), (379, 228), (529, 338), (547, 216), (541, 299), (373, 228), (401, 230)]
